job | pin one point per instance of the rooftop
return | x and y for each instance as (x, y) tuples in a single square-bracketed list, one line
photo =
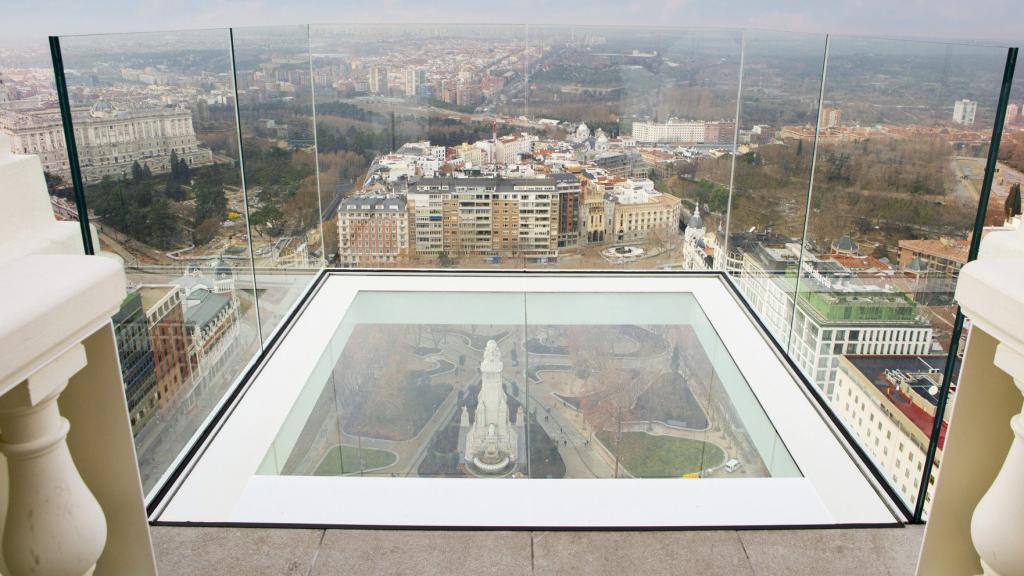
[(947, 248), (908, 381), (152, 294), (209, 307)]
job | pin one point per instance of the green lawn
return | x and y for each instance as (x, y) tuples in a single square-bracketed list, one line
[(344, 459), (647, 456)]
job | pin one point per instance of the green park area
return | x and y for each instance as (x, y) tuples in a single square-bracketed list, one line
[(647, 456), (345, 459)]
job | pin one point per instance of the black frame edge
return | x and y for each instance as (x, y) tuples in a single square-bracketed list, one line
[(237, 392), (70, 144)]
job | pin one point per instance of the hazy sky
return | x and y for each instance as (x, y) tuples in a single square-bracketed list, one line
[(986, 20)]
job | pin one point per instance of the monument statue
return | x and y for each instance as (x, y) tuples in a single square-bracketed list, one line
[(491, 442)]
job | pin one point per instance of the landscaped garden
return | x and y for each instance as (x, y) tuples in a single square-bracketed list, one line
[(346, 459), (670, 400), (647, 456)]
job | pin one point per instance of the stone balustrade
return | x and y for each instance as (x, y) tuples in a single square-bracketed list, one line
[(991, 295), (70, 493)]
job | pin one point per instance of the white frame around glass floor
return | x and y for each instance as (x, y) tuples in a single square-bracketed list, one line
[(225, 484)]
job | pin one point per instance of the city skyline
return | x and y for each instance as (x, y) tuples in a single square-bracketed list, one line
[(988, 21)]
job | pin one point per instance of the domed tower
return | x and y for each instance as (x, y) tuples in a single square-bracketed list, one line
[(582, 132), (223, 276), (694, 246), (694, 226)]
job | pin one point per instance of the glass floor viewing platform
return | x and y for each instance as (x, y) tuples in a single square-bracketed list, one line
[(639, 401)]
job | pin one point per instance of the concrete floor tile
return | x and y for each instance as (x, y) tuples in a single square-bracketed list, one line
[(423, 553), (710, 553), (813, 552), (234, 551), (899, 548)]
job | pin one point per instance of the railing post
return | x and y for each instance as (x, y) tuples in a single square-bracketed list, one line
[(991, 296), (998, 520), (54, 524)]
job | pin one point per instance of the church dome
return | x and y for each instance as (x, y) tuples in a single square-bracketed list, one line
[(844, 245), (102, 108)]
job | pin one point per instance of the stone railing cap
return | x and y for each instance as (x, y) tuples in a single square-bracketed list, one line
[(50, 302)]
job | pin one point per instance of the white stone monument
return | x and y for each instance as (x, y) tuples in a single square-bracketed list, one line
[(491, 443)]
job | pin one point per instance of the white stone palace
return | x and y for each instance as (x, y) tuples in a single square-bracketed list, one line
[(109, 139), (491, 443)]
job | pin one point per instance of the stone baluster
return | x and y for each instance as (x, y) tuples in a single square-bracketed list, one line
[(997, 527), (991, 295), (54, 525)]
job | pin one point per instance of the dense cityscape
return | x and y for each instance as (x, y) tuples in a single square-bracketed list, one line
[(437, 148)]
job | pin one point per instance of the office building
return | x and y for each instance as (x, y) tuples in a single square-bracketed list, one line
[(964, 111)]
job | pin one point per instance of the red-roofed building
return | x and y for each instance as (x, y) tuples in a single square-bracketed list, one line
[(889, 403)]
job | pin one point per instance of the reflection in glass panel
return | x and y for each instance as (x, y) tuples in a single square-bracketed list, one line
[(904, 133), (272, 72), (154, 123), (779, 105)]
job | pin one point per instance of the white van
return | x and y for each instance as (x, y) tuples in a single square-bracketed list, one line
[(733, 465)]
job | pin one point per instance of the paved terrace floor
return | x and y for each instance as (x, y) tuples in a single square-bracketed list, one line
[(301, 552)]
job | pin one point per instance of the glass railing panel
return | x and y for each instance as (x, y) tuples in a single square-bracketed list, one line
[(154, 118), (402, 112), (275, 95), (904, 132), (640, 386), (771, 178), (1005, 202), (28, 85), (645, 120)]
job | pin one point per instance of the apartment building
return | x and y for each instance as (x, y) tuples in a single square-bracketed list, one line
[(508, 149), (503, 217), (373, 230), (942, 256), (569, 209), (889, 402), (836, 313), (964, 112), (685, 132), (165, 317), (135, 352)]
